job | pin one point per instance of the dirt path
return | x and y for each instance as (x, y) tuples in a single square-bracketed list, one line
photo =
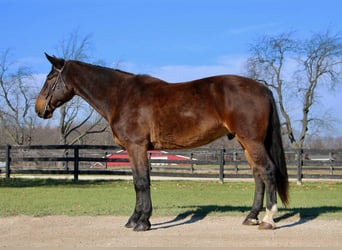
[(211, 231)]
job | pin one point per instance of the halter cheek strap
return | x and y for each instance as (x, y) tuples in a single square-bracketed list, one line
[(53, 88)]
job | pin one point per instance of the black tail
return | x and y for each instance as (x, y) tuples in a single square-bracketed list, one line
[(275, 149)]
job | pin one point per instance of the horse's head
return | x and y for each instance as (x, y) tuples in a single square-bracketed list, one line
[(55, 91)]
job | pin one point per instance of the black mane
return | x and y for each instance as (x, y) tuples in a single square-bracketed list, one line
[(124, 72), (104, 67)]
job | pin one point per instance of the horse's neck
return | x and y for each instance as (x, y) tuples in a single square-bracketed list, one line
[(97, 87)]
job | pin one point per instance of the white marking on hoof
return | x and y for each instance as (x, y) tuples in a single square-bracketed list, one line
[(254, 221), (268, 218), (251, 222)]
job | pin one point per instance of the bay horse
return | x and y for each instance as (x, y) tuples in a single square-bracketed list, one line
[(147, 113)]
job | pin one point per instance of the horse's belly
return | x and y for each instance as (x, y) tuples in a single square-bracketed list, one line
[(186, 135)]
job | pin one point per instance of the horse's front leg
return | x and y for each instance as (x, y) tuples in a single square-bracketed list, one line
[(140, 219)]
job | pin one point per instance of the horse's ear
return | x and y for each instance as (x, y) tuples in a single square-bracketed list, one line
[(57, 62)]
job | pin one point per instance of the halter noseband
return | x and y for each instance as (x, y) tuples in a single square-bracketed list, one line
[(52, 90)]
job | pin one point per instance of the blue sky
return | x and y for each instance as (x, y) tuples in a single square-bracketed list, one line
[(176, 40), (154, 33)]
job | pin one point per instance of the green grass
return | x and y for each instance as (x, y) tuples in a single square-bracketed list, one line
[(41, 197)]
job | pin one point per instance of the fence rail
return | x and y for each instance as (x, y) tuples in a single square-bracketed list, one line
[(217, 163)]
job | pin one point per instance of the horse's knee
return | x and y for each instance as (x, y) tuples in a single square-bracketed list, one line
[(141, 183)]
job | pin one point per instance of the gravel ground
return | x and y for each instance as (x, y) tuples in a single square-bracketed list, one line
[(211, 231)]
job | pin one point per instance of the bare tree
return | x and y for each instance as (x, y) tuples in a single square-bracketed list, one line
[(72, 128), (16, 116), (321, 60), (294, 69)]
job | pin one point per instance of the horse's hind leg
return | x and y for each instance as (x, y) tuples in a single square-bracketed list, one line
[(252, 217), (268, 174), (264, 176)]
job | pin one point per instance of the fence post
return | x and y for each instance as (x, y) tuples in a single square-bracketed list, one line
[(300, 166), (67, 161), (331, 160), (149, 159), (221, 171), (8, 161), (76, 160), (235, 154), (191, 165), (106, 162)]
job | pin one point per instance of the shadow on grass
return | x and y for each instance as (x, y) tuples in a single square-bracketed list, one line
[(197, 213), (36, 182)]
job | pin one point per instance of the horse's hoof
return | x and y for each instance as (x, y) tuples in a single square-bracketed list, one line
[(266, 226), (130, 224), (140, 227), (250, 222)]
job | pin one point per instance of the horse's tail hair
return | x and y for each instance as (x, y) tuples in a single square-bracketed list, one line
[(275, 149)]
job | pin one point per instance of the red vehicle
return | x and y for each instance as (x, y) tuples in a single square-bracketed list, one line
[(153, 154)]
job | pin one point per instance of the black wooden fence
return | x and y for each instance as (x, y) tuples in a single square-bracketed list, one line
[(213, 163)]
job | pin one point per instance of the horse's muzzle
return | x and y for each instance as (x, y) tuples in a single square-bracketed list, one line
[(43, 110)]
